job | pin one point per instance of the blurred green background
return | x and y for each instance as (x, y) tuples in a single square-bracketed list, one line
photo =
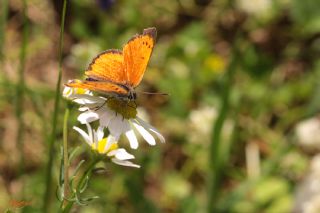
[(243, 78)]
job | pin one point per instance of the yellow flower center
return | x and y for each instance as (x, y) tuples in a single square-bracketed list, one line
[(81, 91), (101, 144), (127, 109)]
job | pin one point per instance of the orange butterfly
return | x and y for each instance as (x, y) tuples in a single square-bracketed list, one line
[(115, 72)]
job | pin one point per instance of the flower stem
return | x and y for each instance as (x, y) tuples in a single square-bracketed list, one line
[(48, 192), (66, 190), (20, 87), (215, 160), (81, 182)]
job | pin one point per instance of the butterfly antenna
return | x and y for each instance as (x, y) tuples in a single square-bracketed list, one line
[(153, 93)]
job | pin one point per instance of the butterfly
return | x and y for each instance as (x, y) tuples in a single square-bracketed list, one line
[(117, 73)]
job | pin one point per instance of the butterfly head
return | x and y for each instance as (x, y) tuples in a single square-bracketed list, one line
[(132, 95)]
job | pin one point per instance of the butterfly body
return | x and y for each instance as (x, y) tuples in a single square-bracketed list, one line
[(116, 73)]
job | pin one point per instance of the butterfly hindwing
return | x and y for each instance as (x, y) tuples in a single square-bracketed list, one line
[(108, 66), (136, 54), (99, 86)]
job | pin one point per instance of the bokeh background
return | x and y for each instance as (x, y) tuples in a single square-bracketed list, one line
[(243, 111)]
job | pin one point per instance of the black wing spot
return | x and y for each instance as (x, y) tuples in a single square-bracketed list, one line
[(116, 89), (91, 79)]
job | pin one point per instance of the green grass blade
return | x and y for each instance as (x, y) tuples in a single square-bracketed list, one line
[(52, 138)]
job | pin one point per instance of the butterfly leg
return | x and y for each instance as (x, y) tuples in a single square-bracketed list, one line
[(99, 107)]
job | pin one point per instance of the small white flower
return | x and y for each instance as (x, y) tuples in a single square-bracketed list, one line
[(308, 134), (255, 7), (106, 146), (200, 125)]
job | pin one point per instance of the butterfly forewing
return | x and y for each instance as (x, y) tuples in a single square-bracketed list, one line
[(108, 66), (137, 53)]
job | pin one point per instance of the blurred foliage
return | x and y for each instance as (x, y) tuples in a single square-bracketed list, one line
[(274, 87)]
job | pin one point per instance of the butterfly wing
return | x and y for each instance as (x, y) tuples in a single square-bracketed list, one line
[(108, 66), (100, 86), (136, 54)]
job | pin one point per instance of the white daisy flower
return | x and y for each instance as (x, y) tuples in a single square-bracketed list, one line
[(106, 146), (120, 117)]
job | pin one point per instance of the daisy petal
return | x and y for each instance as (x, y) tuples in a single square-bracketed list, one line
[(106, 116), (124, 163), (83, 134), (117, 126), (110, 141), (120, 154), (86, 99), (67, 91), (91, 133), (132, 139), (86, 107), (88, 117), (151, 128), (100, 133), (145, 134)]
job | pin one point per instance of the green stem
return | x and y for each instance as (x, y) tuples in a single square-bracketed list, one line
[(81, 182), (215, 160), (66, 190), (4, 7), (20, 87), (48, 192)]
